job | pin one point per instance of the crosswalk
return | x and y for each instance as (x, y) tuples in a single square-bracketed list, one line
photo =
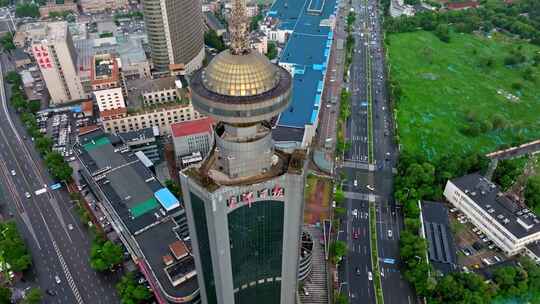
[(316, 283), (362, 196)]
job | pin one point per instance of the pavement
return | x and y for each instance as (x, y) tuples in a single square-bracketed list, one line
[(367, 86), (43, 219)]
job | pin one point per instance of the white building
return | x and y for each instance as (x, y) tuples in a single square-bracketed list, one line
[(53, 49), (192, 136), (109, 99), (510, 227)]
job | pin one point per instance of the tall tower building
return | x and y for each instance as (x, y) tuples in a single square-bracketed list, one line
[(175, 33), (245, 201), (53, 49)]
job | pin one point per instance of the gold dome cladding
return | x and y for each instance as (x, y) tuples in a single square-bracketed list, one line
[(240, 75)]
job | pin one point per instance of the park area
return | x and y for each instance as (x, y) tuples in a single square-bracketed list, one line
[(473, 94), (317, 196)]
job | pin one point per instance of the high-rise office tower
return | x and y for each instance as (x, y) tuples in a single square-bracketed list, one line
[(245, 201), (175, 33)]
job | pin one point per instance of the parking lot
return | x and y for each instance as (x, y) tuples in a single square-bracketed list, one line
[(474, 249), (62, 127)]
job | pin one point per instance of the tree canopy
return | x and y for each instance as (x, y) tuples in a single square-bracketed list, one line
[(58, 167), (105, 255), (130, 292), (14, 250)]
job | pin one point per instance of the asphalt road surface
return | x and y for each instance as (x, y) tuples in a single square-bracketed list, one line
[(43, 219), (367, 83)]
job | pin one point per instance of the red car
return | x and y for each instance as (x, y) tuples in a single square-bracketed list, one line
[(355, 234)]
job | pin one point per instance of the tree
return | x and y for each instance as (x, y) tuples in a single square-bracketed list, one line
[(174, 188), (105, 255), (58, 167), (14, 78), (130, 292), (15, 252), (341, 299), (7, 42), (43, 144), (213, 40), (337, 250), (27, 10), (442, 31), (272, 51), (33, 106), (33, 296), (532, 192), (5, 295)]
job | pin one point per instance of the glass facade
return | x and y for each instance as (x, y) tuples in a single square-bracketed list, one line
[(199, 216), (256, 237)]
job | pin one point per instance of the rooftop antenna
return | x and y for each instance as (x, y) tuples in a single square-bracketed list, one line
[(238, 28)]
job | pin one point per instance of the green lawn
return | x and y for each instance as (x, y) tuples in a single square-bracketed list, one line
[(448, 86)]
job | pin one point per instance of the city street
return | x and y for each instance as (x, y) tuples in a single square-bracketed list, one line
[(370, 181), (44, 220)]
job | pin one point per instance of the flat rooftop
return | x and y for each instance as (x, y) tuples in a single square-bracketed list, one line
[(307, 50), (441, 246), (518, 220), (145, 207)]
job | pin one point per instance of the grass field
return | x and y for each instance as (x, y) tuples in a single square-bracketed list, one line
[(449, 86)]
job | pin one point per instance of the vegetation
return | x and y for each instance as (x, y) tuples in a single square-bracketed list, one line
[(338, 250), (456, 97), (14, 252), (105, 255), (5, 295), (272, 51), (33, 296), (344, 112), (254, 22), (66, 15), (7, 42), (507, 172), (532, 194), (27, 10), (57, 166), (130, 292), (106, 35), (375, 254), (214, 41), (174, 188), (349, 44), (341, 298)]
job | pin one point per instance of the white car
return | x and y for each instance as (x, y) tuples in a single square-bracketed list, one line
[(355, 213), (27, 195), (70, 226), (369, 276), (389, 233), (355, 183), (13, 172), (370, 187), (57, 279)]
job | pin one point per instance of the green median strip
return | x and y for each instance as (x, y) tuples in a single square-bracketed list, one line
[(375, 254)]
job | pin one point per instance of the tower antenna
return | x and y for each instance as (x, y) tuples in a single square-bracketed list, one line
[(238, 28)]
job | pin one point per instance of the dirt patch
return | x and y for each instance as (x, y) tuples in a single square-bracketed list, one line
[(170, 158), (317, 197)]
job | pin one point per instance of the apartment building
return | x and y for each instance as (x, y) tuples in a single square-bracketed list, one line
[(96, 6), (109, 99)]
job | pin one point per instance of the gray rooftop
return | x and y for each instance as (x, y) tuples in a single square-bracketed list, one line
[(518, 220), (441, 247)]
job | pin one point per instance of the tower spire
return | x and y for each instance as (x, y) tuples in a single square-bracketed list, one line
[(238, 28)]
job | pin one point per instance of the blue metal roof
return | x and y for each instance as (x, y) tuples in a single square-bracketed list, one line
[(308, 49), (166, 199)]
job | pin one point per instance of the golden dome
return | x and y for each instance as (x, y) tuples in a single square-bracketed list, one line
[(240, 75)]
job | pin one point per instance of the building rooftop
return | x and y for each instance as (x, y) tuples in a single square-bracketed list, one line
[(213, 22), (307, 51), (146, 208), (50, 31), (441, 247), (138, 134), (104, 69), (518, 220), (192, 127)]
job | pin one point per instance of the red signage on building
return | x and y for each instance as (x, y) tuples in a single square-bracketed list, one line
[(249, 197), (42, 57)]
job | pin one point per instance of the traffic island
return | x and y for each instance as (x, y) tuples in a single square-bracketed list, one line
[(375, 254)]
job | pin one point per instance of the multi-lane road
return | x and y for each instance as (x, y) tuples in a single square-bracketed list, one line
[(368, 169), (44, 220)]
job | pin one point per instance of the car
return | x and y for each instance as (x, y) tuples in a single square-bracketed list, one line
[(389, 233), (306, 292), (466, 251), (485, 240), (51, 292), (27, 195), (13, 172), (355, 234), (70, 226), (355, 183), (497, 258), (492, 246), (357, 270), (370, 187), (57, 279), (369, 276), (355, 213), (474, 229)]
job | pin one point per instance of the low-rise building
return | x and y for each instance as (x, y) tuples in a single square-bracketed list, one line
[(109, 99), (149, 220), (21, 58), (144, 140), (212, 22), (96, 6), (118, 120), (152, 92), (54, 7), (192, 136), (510, 226)]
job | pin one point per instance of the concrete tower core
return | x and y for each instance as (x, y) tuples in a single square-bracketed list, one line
[(245, 201)]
